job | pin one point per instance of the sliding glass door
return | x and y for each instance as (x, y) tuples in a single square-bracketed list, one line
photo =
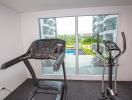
[(80, 33)]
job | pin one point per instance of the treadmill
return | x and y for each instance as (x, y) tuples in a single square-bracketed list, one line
[(40, 50)]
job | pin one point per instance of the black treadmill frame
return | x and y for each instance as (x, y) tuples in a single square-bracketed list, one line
[(29, 55)]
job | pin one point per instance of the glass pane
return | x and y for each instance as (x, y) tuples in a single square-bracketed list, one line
[(62, 28), (66, 31), (88, 26), (86, 54)]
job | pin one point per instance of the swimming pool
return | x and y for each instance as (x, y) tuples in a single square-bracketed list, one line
[(73, 52)]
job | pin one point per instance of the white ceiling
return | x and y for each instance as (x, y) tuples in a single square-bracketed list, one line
[(37, 5)]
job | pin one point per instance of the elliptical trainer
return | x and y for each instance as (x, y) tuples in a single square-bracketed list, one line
[(110, 93)]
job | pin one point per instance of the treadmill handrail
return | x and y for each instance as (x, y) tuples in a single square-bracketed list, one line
[(12, 62), (16, 60), (59, 61)]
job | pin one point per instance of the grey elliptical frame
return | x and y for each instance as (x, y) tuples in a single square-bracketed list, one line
[(110, 93)]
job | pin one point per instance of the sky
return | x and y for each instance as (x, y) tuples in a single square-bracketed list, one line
[(66, 25)]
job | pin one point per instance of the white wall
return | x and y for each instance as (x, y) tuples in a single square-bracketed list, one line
[(10, 47), (30, 32)]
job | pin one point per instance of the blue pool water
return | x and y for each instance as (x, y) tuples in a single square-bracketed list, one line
[(73, 52), (70, 51)]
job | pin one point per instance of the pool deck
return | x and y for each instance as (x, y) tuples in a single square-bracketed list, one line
[(87, 66)]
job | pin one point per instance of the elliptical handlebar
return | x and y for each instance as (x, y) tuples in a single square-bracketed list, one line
[(124, 42)]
